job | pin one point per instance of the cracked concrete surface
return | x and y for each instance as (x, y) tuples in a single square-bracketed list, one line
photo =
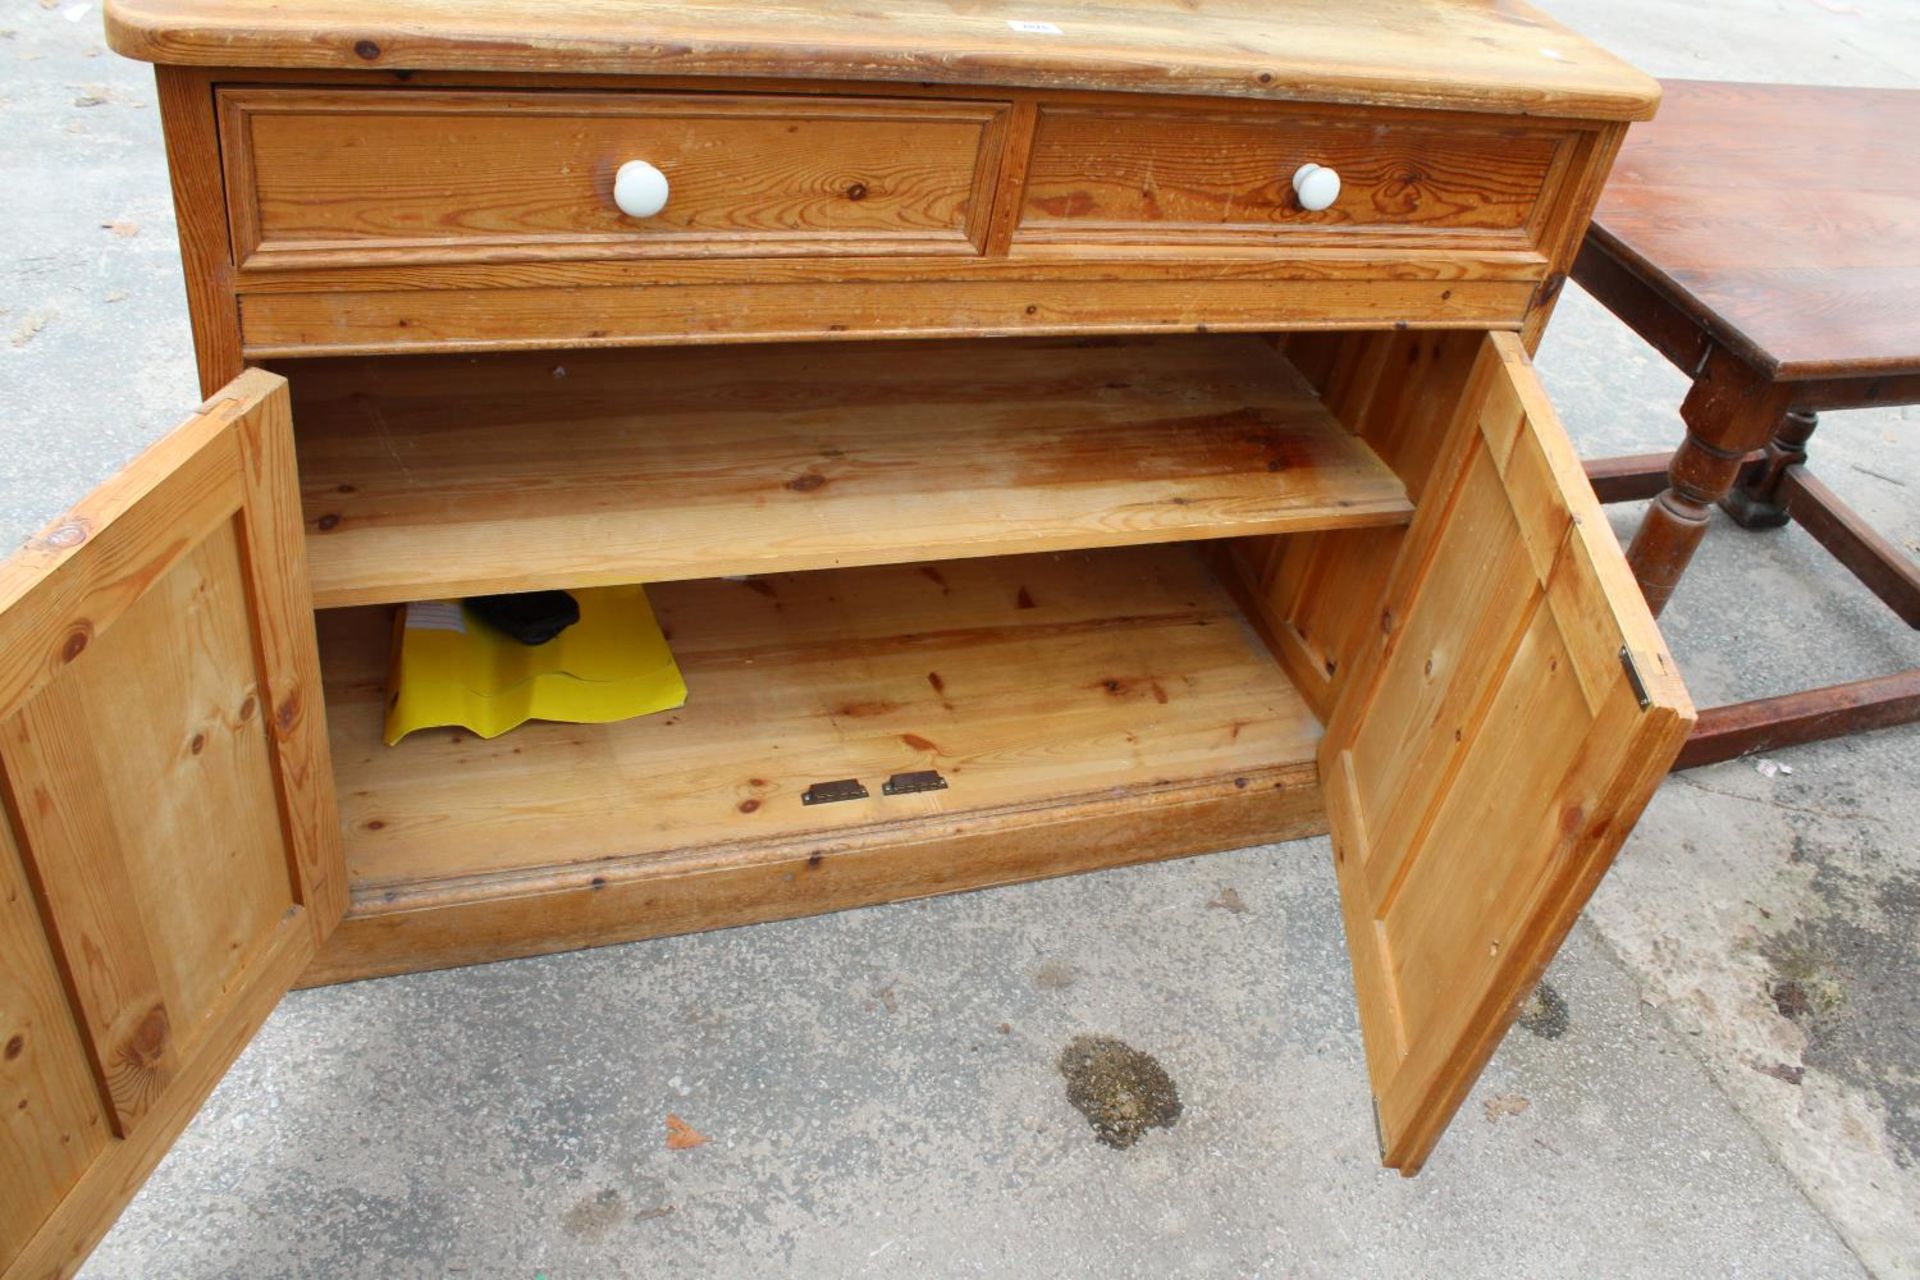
[(1731, 1089)]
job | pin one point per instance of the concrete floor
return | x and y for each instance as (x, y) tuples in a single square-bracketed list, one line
[(879, 1088)]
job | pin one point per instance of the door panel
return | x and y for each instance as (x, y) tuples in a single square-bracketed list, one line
[(1506, 722), (169, 856)]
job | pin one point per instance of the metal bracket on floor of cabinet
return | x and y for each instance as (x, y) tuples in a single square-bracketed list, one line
[(834, 792), (905, 784)]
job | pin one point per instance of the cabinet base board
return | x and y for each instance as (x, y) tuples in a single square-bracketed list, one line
[(630, 899)]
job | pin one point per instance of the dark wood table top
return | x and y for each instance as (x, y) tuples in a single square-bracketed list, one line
[(1784, 219)]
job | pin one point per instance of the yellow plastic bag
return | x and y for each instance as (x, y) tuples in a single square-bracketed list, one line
[(450, 668)]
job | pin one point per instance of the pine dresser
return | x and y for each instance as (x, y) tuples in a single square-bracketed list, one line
[(1053, 436)]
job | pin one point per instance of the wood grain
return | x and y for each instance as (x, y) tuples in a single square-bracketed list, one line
[(716, 888), (78, 1221), (1489, 752), (110, 814), (1783, 219), (1035, 264), (185, 97), (52, 1125), (1589, 162), (444, 176), (148, 808), (464, 477), (483, 319), (1317, 597), (1461, 54), (1026, 681), (1806, 715), (370, 219), (1196, 177), (288, 659)]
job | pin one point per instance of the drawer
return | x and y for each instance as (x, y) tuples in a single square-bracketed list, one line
[(321, 178), (1185, 178)]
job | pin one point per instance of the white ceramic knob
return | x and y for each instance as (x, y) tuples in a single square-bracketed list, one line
[(639, 189), (1317, 186)]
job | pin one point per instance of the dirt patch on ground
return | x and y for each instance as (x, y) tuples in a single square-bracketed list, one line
[(1055, 975), (1846, 978), (1121, 1091), (594, 1216), (1546, 1014), (1228, 899)]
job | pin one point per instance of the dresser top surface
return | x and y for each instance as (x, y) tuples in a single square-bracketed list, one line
[(1478, 55)]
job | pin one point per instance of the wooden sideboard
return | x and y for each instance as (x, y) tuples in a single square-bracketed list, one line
[(984, 399)]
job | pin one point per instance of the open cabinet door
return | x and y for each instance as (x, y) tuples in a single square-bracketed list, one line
[(1502, 730), (169, 847)]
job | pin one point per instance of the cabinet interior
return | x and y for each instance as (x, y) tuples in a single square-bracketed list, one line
[(465, 475), (1102, 586)]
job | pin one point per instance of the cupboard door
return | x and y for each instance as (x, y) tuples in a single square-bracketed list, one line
[(169, 847), (1506, 722)]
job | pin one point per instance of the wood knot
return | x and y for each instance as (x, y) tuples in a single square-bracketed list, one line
[(367, 49), (328, 522), (16, 1045), (858, 191), (148, 1042), (246, 709), (807, 483), (197, 744), (61, 536), (77, 641), (287, 712), (749, 805)]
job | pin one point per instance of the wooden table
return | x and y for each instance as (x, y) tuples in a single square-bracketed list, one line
[(1766, 239)]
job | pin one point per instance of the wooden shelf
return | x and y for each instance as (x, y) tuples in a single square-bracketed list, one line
[(1117, 684), (439, 476)]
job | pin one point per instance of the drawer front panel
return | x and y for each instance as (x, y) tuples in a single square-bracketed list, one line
[(1185, 178), (337, 178)]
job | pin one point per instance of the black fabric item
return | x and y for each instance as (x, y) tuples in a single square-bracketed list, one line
[(531, 617)]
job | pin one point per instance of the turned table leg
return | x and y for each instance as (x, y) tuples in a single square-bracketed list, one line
[(1756, 504), (1729, 413)]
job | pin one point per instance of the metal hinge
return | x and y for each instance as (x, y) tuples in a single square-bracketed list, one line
[(1634, 678), (833, 792), (905, 784)]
